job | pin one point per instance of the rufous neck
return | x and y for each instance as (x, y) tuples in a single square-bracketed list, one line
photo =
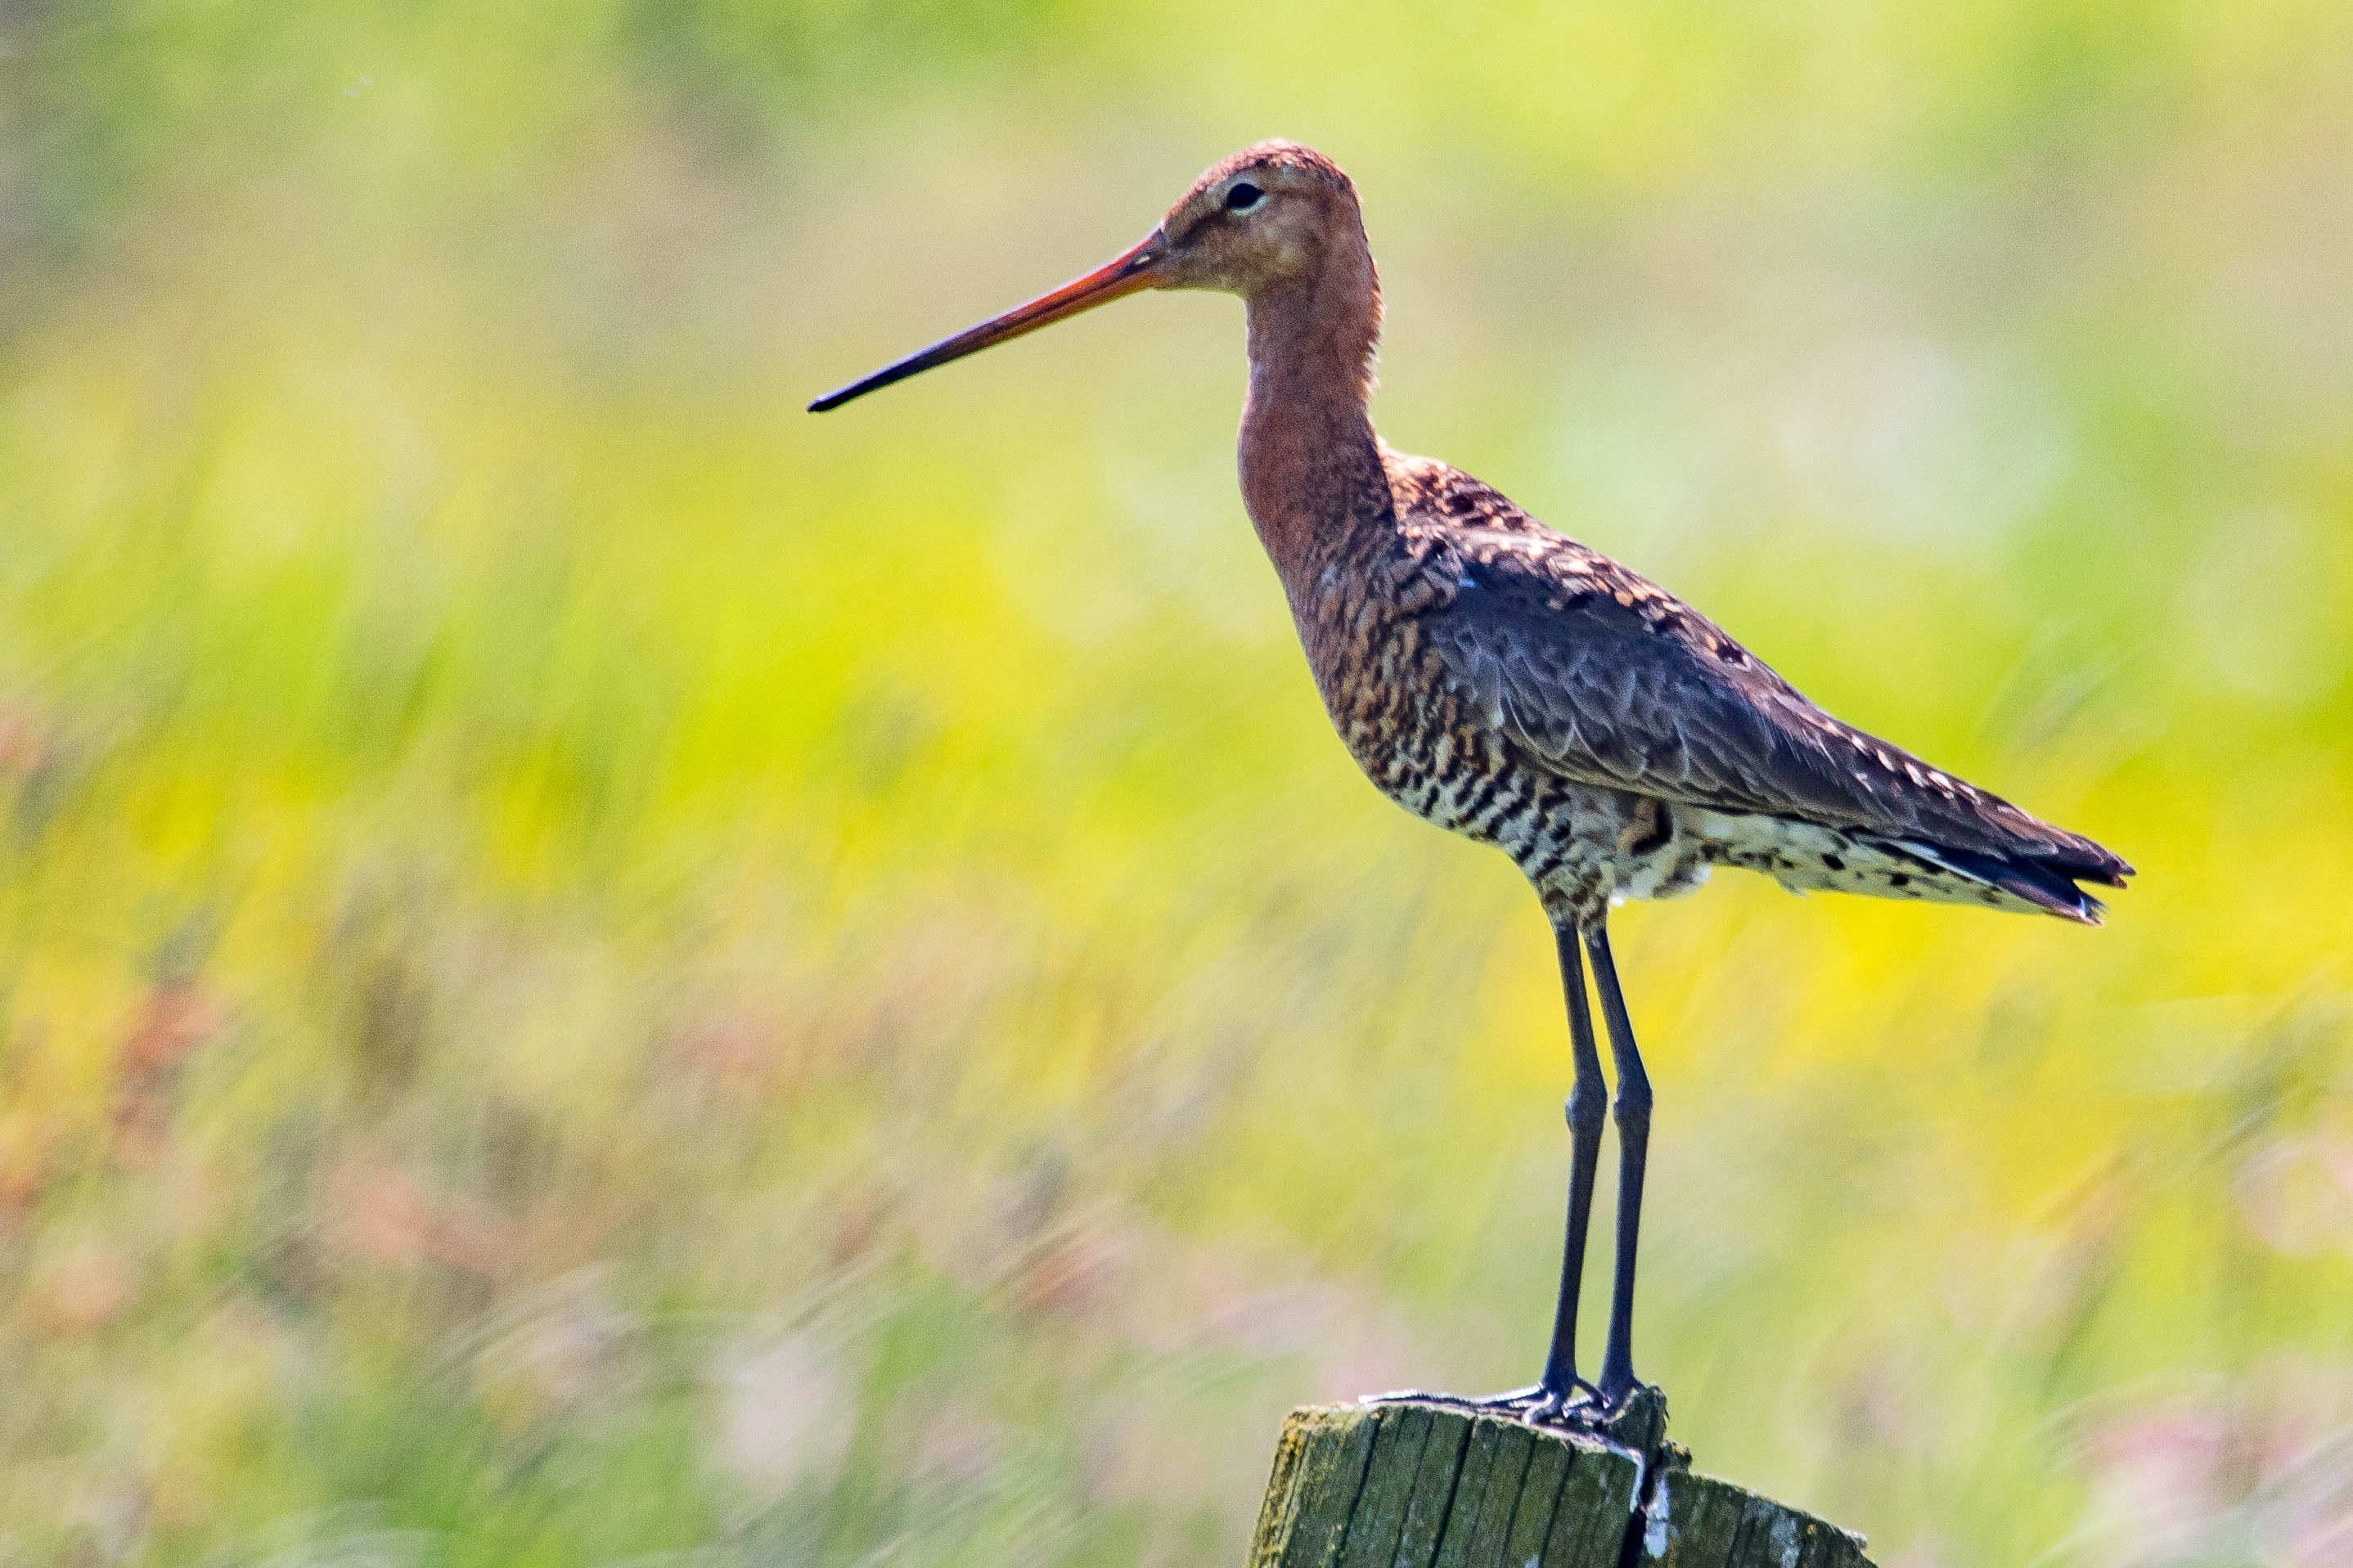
[(1311, 463)]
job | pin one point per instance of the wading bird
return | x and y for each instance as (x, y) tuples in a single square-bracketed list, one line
[(1512, 685)]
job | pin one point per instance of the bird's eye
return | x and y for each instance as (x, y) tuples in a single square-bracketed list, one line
[(1241, 196)]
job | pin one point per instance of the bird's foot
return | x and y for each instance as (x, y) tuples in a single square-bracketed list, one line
[(1580, 1405), (1635, 1419)]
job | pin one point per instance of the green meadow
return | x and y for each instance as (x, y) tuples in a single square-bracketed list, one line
[(597, 969)]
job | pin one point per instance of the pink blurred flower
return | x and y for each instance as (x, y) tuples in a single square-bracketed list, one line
[(787, 1409)]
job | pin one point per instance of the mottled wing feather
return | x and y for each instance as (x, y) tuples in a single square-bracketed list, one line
[(1606, 678)]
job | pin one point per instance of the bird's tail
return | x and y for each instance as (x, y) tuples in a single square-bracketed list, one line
[(2045, 877)]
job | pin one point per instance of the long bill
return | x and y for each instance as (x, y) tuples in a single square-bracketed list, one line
[(1123, 275)]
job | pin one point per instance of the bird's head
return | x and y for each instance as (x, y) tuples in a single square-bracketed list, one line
[(1266, 217)]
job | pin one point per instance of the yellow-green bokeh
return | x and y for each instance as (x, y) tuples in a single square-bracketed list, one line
[(594, 968)]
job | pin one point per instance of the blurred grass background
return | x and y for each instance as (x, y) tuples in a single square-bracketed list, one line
[(596, 969)]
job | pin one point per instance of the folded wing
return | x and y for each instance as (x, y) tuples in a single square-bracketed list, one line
[(1606, 678)]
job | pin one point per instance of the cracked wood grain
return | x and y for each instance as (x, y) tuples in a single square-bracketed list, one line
[(1406, 1484)]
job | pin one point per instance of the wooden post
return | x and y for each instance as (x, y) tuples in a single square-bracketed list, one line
[(1412, 1483)]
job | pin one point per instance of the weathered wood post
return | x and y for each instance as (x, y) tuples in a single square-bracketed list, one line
[(1413, 1483)]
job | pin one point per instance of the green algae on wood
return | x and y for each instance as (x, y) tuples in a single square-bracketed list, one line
[(1415, 1484), (1699, 1521)]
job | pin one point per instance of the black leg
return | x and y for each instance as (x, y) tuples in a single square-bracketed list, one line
[(1551, 1398), (1586, 1100), (1633, 1111)]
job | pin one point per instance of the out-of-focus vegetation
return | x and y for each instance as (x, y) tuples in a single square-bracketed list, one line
[(594, 969)]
